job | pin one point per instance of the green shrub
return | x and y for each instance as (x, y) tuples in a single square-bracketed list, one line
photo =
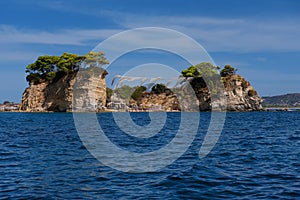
[(50, 76), (138, 92), (33, 78), (228, 70), (252, 93), (159, 88), (244, 84), (124, 92), (109, 92)]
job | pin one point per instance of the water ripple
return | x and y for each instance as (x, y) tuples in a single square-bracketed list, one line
[(257, 157)]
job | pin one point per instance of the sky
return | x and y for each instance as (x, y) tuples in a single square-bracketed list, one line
[(259, 38)]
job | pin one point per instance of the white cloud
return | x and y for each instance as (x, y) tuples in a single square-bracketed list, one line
[(215, 34), (219, 34), (11, 34), (16, 44), (252, 34)]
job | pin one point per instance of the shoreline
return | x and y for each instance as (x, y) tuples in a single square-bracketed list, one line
[(112, 111)]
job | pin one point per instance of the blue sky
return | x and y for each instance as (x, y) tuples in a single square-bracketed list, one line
[(260, 38)]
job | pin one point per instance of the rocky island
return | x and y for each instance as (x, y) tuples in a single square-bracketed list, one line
[(52, 78), (51, 81)]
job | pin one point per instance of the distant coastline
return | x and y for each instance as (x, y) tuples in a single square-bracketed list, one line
[(291, 100)]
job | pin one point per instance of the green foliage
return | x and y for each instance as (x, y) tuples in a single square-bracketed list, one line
[(224, 80), (95, 59), (124, 92), (43, 65), (160, 88), (109, 92), (51, 75), (228, 70), (69, 62), (127, 92), (33, 78), (138, 92), (200, 72), (252, 93), (190, 72), (203, 69), (51, 68)]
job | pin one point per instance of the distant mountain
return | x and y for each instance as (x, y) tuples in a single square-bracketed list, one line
[(287, 100)]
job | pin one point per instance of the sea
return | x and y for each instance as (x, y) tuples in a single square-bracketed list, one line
[(257, 156)]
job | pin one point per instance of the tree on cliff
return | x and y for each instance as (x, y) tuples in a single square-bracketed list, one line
[(50, 68), (207, 70), (138, 92), (160, 88), (127, 92), (228, 70), (200, 72), (203, 69)]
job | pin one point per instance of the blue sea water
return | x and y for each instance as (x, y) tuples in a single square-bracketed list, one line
[(257, 157)]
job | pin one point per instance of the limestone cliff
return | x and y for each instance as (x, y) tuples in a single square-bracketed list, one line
[(91, 93), (240, 96), (57, 96), (159, 102)]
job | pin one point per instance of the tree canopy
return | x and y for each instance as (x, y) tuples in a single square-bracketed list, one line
[(124, 92), (160, 88), (49, 68), (203, 69), (109, 92), (200, 72), (127, 92), (228, 70), (138, 92)]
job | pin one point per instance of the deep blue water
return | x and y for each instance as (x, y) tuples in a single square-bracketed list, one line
[(256, 157)]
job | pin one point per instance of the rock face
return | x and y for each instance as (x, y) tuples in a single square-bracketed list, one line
[(91, 94), (57, 96), (159, 102), (240, 96)]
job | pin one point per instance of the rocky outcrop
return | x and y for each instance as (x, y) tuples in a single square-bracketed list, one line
[(240, 96), (91, 95), (159, 102), (57, 96)]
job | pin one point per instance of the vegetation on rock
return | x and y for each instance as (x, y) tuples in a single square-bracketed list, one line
[(109, 92), (203, 75), (136, 95), (51, 68), (160, 88), (203, 69), (127, 92), (228, 70), (252, 93)]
